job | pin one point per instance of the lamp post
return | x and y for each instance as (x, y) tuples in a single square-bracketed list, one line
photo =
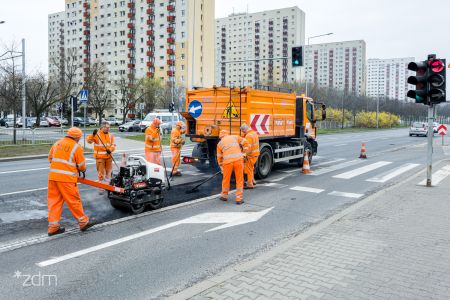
[(310, 38)]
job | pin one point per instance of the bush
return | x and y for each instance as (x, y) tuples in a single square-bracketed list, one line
[(369, 120), (335, 115)]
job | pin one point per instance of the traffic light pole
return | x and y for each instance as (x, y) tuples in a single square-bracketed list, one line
[(430, 144)]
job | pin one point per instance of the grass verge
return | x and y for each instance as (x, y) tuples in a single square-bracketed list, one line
[(349, 130), (24, 150), (165, 139)]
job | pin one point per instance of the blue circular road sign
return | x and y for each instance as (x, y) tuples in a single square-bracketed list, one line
[(195, 108)]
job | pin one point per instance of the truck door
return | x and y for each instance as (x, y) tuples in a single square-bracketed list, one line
[(299, 128), (310, 123)]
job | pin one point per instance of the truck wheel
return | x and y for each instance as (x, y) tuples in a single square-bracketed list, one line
[(264, 163), (198, 152)]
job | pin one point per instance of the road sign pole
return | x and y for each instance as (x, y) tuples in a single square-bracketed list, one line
[(72, 112), (84, 131), (430, 144)]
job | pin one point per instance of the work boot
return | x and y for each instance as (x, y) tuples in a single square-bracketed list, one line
[(88, 225), (223, 199), (59, 231), (177, 173), (239, 202), (247, 187)]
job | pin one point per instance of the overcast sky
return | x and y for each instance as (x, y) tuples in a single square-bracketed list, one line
[(391, 28)]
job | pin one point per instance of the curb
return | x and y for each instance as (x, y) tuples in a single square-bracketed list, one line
[(30, 157), (240, 268)]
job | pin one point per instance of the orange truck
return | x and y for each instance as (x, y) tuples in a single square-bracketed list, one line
[(285, 123)]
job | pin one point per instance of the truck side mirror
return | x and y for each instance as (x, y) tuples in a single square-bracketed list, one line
[(324, 112)]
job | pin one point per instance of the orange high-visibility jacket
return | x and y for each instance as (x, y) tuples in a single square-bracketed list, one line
[(152, 139), (176, 138), (231, 149), (253, 143), (66, 160), (99, 148)]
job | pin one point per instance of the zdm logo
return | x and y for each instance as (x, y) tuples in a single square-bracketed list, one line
[(36, 280)]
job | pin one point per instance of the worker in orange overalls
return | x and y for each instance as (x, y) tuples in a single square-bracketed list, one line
[(230, 155), (153, 142), (104, 146), (176, 143), (66, 162), (252, 155)]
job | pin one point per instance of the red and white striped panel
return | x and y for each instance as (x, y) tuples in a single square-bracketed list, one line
[(260, 123)]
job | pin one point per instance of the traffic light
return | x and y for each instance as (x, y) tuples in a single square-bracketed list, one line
[(420, 81), (74, 101), (171, 107), (64, 107), (297, 56), (436, 80)]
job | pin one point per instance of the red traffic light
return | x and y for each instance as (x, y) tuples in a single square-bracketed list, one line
[(437, 66)]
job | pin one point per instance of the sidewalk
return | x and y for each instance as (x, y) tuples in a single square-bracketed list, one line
[(392, 245)]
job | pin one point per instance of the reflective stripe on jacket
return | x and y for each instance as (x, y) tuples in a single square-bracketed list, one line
[(102, 142), (253, 143), (152, 139), (231, 149), (66, 160), (176, 138)]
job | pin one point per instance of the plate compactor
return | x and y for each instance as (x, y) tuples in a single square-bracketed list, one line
[(137, 185)]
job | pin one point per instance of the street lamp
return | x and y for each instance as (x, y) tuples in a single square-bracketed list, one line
[(310, 38)]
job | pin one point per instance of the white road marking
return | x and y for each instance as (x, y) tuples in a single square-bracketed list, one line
[(346, 195), (362, 170), (279, 178), (293, 170), (340, 145), (22, 192), (336, 167), (273, 184), (393, 173), (328, 162), (438, 176), (229, 218), (306, 189), (31, 170)]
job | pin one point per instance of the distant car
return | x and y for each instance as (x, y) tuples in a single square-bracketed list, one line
[(418, 129), (130, 126), (166, 128), (80, 122), (3, 122), (53, 122), (113, 121), (63, 121), (435, 127), (9, 122), (92, 121)]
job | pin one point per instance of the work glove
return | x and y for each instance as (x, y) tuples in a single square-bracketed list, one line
[(94, 133), (108, 151), (221, 170), (81, 174)]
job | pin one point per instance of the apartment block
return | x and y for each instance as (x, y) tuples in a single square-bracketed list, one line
[(340, 65), (254, 48)]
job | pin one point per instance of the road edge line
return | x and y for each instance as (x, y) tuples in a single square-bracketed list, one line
[(245, 266)]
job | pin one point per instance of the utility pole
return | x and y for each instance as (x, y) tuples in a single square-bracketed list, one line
[(24, 96), (378, 109), (430, 144)]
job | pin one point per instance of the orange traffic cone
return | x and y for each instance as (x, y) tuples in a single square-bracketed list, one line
[(363, 151), (306, 169)]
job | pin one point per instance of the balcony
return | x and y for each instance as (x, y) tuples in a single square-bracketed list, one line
[(150, 54), (150, 74), (150, 32), (86, 70), (86, 42), (86, 14), (131, 76), (171, 19), (170, 52), (86, 60), (170, 62), (130, 46), (86, 32), (86, 24), (171, 41), (131, 66), (130, 36), (150, 43), (171, 8), (150, 22), (150, 11), (170, 29), (131, 15), (130, 25), (130, 5), (150, 1), (170, 73), (86, 5), (150, 64)]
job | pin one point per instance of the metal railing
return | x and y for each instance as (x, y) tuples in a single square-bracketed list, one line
[(30, 136)]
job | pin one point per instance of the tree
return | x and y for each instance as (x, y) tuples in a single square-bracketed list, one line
[(42, 93), (130, 94), (151, 91), (166, 95), (99, 94)]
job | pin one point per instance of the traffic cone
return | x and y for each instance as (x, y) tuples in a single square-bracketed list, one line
[(306, 169), (363, 151)]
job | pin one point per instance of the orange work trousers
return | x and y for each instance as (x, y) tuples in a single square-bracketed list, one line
[(104, 169), (153, 157), (176, 157), (238, 168), (249, 169), (58, 193)]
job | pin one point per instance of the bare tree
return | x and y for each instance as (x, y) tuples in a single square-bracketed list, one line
[(151, 91), (42, 93), (99, 94), (171, 92), (130, 94)]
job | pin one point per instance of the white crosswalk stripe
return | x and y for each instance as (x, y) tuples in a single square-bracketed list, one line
[(307, 189), (393, 173), (362, 170), (273, 184), (336, 167), (346, 195), (438, 176), (328, 162)]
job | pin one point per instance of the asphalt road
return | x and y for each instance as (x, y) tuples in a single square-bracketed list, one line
[(160, 252)]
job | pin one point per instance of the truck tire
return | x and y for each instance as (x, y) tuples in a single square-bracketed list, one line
[(264, 163)]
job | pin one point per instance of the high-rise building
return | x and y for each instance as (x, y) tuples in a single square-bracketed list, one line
[(171, 40), (339, 65), (246, 44), (387, 78)]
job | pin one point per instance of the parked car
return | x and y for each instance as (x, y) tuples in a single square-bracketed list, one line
[(435, 127), (93, 121), (53, 122), (63, 120), (113, 121), (418, 129), (164, 116), (9, 122), (130, 126), (80, 122), (31, 122), (166, 128)]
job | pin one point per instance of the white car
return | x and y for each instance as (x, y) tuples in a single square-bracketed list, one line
[(418, 129), (165, 117)]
